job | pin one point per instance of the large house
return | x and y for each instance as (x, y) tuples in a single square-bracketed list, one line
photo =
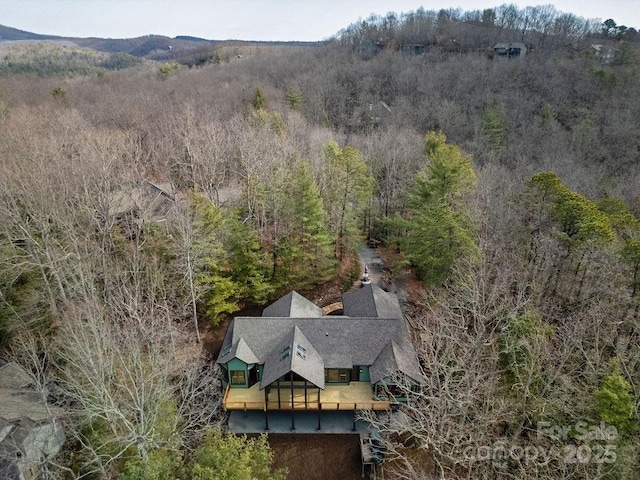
[(295, 358)]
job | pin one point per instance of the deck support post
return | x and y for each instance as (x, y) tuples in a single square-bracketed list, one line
[(353, 428), (266, 408), (319, 412), (279, 406), (293, 423)]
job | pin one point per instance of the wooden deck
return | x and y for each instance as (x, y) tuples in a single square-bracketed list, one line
[(355, 396)]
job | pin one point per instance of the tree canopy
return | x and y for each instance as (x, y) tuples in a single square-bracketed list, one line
[(439, 229)]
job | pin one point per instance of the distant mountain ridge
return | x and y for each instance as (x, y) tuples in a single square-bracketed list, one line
[(154, 47), (138, 46), (9, 33), (185, 49)]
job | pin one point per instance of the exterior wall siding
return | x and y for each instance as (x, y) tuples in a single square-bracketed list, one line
[(235, 365), (365, 376)]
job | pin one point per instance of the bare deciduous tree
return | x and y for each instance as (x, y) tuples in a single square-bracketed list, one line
[(129, 386)]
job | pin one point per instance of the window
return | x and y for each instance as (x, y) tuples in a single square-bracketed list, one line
[(301, 352), (337, 375), (238, 377)]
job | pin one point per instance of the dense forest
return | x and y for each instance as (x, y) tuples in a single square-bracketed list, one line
[(143, 203)]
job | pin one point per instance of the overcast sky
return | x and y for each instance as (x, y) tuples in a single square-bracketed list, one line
[(249, 19)]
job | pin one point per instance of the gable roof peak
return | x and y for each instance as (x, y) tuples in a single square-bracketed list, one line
[(396, 357), (240, 350), (292, 305), (294, 354), (371, 301)]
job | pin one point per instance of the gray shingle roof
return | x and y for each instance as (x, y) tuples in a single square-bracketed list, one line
[(25, 444), (152, 199), (18, 402), (371, 301), (372, 332), (13, 376), (29, 428), (341, 342), (407, 360), (294, 354), (396, 357), (239, 350), (292, 305)]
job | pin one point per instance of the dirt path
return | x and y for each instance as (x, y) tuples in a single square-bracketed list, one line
[(372, 258)]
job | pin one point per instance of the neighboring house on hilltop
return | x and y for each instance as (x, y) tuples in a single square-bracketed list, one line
[(31, 431), (294, 358), (509, 50), (136, 204), (371, 115), (413, 48)]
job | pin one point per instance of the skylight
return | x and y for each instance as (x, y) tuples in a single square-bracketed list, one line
[(301, 351)]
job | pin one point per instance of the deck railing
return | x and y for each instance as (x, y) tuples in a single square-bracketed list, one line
[(355, 396), (226, 394), (286, 405)]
